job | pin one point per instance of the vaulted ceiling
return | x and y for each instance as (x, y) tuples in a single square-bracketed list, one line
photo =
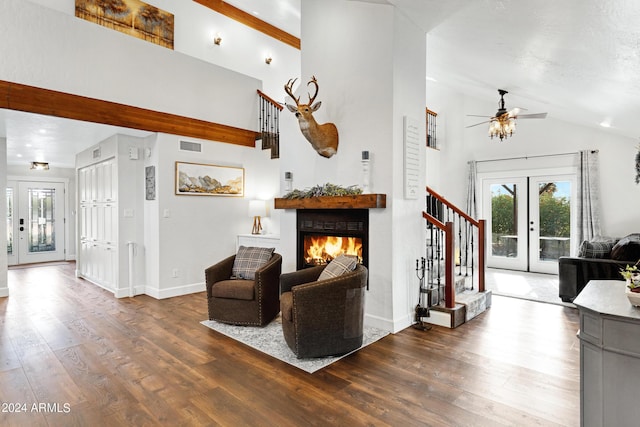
[(578, 60)]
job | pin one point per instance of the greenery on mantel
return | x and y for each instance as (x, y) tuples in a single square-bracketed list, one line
[(327, 189)]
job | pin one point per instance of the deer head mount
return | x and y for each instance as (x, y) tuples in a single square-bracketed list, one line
[(323, 138)]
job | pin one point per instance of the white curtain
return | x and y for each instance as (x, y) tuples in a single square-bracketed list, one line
[(588, 196), (472, 207)]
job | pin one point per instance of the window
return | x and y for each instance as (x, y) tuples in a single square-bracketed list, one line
[(432, 141)]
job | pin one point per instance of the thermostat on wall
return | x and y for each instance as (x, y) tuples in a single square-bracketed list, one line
[(133, 153)]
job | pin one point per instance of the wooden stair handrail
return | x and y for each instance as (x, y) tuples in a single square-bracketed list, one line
[(453, 207), (450, 246), (270, 100), (433, 220)]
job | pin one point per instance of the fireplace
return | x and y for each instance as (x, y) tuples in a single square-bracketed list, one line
[(325, 233)]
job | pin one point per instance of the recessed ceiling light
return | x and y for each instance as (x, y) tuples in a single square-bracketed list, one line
[(18, 155), (605, 124), (28, 145), (42, 131)]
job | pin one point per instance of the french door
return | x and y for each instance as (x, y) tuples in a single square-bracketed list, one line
[(35, 222), (530, 221)]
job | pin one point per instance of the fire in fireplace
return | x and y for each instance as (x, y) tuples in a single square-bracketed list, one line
[(320, 250), (323, 234)]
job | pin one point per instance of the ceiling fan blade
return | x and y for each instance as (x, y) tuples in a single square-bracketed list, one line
[(478, 115), (478, 124), (514, 112), (532, 116)]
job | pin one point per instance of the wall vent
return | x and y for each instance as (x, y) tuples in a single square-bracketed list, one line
[(96, 153), (191, 146)]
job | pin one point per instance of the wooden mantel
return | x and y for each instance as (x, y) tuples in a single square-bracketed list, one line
[(360, 201)]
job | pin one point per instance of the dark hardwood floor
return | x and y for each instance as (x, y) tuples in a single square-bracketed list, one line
[(86, 358)]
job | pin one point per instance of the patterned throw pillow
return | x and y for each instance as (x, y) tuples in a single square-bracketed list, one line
[(248, 260), (595, 249), (338, 266)]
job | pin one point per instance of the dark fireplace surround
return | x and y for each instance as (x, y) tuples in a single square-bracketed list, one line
[(337, 216)]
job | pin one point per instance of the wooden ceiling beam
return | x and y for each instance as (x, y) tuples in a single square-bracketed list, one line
[(31, 99), (250, 21)]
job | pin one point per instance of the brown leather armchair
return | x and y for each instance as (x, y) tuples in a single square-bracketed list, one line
[(323, 318), (243, 302)]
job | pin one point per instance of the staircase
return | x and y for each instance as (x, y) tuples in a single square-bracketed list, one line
[(269, 124), (455, 268)]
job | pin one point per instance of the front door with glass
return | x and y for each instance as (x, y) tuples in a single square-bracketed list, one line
[(35, 222)]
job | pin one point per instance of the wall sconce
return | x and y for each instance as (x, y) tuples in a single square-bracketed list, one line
[(257, 209), (41, 166), (268, 59), (217, 39)]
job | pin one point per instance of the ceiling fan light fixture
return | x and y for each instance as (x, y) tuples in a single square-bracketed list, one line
[(502, 127), (42, 166)]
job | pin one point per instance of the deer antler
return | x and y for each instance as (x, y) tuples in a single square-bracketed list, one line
[(315, 83), (289, 89)]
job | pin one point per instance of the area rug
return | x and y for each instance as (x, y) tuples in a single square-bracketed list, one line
[(269, 340)]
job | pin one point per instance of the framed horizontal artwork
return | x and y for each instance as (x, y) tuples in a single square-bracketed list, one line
[(133, 17), (197, 179)]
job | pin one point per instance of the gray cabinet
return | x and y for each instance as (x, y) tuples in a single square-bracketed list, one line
[(609, 355)]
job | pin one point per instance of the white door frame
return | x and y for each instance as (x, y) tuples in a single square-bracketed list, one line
[(523, 263), (13, 181)]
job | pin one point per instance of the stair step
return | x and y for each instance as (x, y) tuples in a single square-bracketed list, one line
[(475, 302), (447, 317), (469, 304)]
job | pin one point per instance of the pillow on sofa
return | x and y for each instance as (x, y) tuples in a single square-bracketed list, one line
[(592, 249), (627, 249), (248, 260), (338, 266)]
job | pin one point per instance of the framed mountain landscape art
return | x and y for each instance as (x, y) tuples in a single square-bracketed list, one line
[(197, 179), (132, 17)]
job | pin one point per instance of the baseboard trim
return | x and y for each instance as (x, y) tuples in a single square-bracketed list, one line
[(4, 292), (175, 291)]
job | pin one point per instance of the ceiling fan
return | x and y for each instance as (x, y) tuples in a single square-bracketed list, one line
[(503, 123)]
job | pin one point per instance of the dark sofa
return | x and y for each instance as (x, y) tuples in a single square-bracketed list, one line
[(596, 260)]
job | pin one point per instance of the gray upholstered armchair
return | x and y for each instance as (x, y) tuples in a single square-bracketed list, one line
[(322, 318), (243, 301)]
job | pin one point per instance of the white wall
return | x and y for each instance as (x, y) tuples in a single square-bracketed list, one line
[(408, 226), (4, 287), (242, 49), (367, 64), (101, 63), (189, 233), (619, 193)]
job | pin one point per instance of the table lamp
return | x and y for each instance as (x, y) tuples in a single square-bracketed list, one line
[(257, 209)]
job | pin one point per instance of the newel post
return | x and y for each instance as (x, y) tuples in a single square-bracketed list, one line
[(482, 240), (449, 265)]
